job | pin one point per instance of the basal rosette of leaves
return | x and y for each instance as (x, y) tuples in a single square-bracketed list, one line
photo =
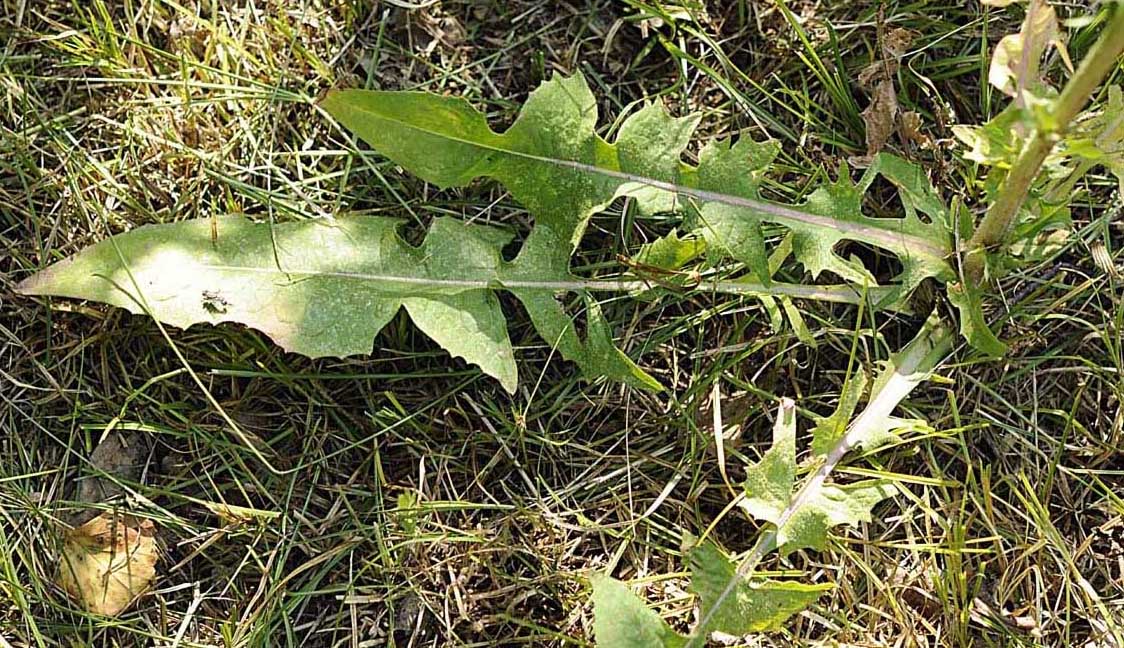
[(325, 288)]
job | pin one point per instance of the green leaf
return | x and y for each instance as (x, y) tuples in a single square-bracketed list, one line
[(809, 512), (671, 252), (1100, 139), (973, 324), (759, 606), (317, 288), (1040, 232), (1096, 140), (1110, 137), (803, 333), (622, 620), (829, 429), (997, 141), (804, 518), (554, 163), (602, 358)]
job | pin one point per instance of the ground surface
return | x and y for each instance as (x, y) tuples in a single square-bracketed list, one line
[(419, 504)]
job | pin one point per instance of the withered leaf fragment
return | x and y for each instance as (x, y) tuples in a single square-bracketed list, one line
[(883, 115), (109, 561)]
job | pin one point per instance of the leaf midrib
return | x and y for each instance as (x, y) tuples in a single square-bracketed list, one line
[(843, 293)]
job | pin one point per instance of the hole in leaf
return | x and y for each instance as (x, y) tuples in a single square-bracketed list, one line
[(883, 200), (883, 265), (412, 232), (511, 250)]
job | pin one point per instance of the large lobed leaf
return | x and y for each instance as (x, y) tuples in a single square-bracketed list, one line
[(553, 162), (322, 288)]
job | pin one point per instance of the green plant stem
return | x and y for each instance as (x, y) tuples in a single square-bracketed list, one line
[(993, 229)]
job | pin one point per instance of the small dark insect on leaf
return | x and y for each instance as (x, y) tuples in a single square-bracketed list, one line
[(214, 303)]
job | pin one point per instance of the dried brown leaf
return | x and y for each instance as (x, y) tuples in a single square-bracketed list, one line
[(910, 128), (109, 561), (896, 42), (120, 457), (881, 116), (870, 75)]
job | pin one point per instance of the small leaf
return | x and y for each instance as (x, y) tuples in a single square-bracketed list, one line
[(671, 252), (1040, 232), (1008, 53), (995, 142), (759, 606), (1013, 70), (796, 320), (830, 506), (608, 358), (829, 429), (973, 324), (803, 518), (622, 620), (108, 562), (406, 511), (1101, 139)]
